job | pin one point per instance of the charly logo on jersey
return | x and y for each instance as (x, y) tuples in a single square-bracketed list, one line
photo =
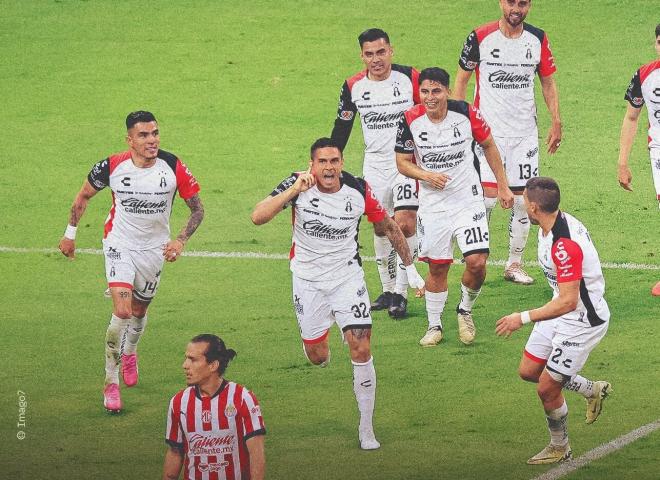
[(495, 53), (442, 159), (366, 96), (316, 228), (380, 121), (314, 202), (135, 205), (656, 92), (126, 181), (510, 81), (423, 136)]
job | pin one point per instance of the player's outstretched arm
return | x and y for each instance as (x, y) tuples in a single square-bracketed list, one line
[(551, 97), (256, 451), (67, 243), (460, 85), (495, 163), (173, 248), (628, 132), (270, 206), (173, 463)]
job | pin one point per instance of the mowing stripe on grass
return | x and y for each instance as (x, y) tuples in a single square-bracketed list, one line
[(599, 452), (281, 256)]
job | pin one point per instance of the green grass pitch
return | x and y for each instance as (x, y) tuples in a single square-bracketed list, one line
[(240, 90)]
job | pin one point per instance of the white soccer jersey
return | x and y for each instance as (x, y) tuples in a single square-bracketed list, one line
[(141, 198), (505, 70), (644, 88), (380, 105), (445, 147), (325, 228), (567, 254), (211, 431)]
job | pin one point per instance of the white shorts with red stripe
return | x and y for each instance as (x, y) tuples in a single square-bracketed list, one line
[(138, 270), (539, 343), (437, 231), (320, 304), (520, 156)]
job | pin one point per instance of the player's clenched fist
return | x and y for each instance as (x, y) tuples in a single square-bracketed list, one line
[(437, 180), (68, 247)]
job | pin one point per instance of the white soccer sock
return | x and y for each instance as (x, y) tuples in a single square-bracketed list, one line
[(113, 348), (401, 276), (435, 304), (581, 385), (468, 297), (134, 331), (386, 261), (518, 230), (490, 205), (364, 386), (557, 425)]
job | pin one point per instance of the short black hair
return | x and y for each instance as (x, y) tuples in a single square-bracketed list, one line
[(435, 74), (137, 117), (544, 191), (371, 35), (215, 350), (657, 30), (323, 142)]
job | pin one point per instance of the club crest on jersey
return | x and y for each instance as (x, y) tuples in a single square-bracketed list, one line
[(528, 55), (230, 410), (112, 271), (457, 132), (349, 205), (163, 183), (206, 416), (396, 92)]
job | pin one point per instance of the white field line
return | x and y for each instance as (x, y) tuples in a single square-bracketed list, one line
[(599, 452), (281, 256)]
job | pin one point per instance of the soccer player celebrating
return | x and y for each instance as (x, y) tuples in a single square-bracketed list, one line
[(328, 280), (136, 239), (507, 54), (214, 427), (644, 88), (380, 94), (434, 145), (576, 318)]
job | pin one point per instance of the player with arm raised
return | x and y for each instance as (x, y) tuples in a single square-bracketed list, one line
[(328, 280), (380, 94), (136, 240), (506, 55)]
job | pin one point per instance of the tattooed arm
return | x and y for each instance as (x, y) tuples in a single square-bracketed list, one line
[(68, 245), (398, 240), (174, 247)]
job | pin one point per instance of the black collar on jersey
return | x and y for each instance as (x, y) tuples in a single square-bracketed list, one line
[(198, 392), (560, 228)]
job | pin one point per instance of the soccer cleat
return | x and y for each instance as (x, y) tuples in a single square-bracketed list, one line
[(551, 454), (432, 337), (655, 291), (112, 398), (595, 403), (516, 274), (384, 301), (466, 329), (368, 441), (399, 307), (129, 370)]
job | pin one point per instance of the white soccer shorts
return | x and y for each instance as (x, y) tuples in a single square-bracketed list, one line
[(320, 304), (520, 156), (571, 346), (393, 190), (136, 269), (437, 231), (539, 343)]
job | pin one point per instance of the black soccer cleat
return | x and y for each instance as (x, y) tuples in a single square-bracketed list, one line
[(399, 307), (384, 301)]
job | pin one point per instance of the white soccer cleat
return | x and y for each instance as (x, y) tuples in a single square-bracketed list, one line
[(466, 328), (595, 403), (368, 441), (514, 273), (551, 454), (432, 337)]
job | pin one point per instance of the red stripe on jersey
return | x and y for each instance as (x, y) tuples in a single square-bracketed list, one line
[(240, 419), (534, 358), (355, 78), (486, 29), (647, 70), (547, 64), (173, 434), (489, 184), (118, 158), (111, 217), (190, 411), (480, 129), (372, 208), (439, 261), (414, 113), (120, 284), (415, 85), (316, 340), (222, 405), (186, 183), (567, 257)]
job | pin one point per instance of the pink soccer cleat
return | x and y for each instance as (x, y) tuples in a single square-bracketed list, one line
[(129, 370), (112, 398)]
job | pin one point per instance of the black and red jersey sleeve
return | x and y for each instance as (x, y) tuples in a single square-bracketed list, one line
[(634, 92), (99, 175), (567, 257), (469, 59), (346, 111), (186, 183), (285, 185), (547, 65), (404, 139), (480, 129), (372, 208)]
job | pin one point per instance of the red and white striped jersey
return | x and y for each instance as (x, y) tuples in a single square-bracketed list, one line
[(380, 105), (445, 147), (505, 70), (325, 228), (212, 431), (567, 254), (644, 88), (139, 218)]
